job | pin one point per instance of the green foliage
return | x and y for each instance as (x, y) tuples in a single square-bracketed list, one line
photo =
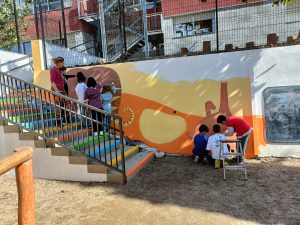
[(8, 36), (284, 2)]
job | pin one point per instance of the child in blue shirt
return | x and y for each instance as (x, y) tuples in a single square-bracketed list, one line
[(107, 96), (200, 142)]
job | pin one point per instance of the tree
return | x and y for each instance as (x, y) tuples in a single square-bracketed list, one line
[(8, 35)]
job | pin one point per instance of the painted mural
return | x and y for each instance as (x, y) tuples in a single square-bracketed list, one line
[(162, 102), (165, 114)]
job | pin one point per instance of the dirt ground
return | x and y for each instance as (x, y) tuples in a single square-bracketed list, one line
[(169, 191)]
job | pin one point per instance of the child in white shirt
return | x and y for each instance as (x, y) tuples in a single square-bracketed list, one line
[(80, 90), (214, 145)]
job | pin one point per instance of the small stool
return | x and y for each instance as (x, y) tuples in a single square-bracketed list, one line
[(239, 154)]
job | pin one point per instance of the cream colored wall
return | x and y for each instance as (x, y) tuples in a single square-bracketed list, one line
[(45, 165)]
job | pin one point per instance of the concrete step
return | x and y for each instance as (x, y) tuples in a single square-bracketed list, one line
[(136, 163), (133, 166)]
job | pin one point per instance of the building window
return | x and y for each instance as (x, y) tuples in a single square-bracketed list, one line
[(194, 28), (48, 5)]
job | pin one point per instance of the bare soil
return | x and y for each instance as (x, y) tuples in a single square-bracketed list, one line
[(169, 191)]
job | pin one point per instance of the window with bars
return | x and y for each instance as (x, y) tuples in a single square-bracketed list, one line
[(194, 28)]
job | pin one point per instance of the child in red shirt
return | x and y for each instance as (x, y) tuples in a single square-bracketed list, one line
[(236, 125)]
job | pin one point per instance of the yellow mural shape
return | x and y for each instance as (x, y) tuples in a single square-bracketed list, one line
[(161, 128)]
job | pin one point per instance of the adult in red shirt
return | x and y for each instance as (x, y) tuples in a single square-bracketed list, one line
[(56, 76), (236, 125), (58, 85)]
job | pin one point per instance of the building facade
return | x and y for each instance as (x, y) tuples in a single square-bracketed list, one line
[(239, 22)]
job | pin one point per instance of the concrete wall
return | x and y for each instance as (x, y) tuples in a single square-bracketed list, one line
[(25, 73), (45, 165), (237, 26), (164, 101)]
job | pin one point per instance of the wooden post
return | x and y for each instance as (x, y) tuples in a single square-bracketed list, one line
[(26, 210), (21, 159)]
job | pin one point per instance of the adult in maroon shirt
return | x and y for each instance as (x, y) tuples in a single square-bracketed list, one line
[(93, 98), (58, 84), (236, 125), (56, 77)]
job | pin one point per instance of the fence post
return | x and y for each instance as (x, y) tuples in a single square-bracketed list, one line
[(36, 20), (124, 28), (103, 30), (22, 161), (217, 25), (144, 7), (120, 29), (64, 22), (25, 185), (17, 26)]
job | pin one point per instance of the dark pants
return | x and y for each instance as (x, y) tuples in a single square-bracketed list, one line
[(201, 154), (211, 160), (244, 141), (97, 126), (61, 107)]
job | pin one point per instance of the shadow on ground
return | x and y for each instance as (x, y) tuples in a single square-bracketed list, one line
[(271, 195)]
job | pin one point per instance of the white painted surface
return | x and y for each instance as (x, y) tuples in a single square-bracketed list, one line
[(209, 67), (25, 73), (45, 165)]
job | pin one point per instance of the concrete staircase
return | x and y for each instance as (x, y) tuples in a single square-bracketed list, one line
[(64, 151)]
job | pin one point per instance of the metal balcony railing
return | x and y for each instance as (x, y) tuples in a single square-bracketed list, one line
[(63, 121)]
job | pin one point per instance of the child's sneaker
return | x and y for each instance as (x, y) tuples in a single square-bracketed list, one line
[(196, 159)]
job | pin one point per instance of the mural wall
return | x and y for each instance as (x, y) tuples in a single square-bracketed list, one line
[(163, 102)]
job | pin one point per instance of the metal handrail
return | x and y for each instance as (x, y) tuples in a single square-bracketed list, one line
[(53, 117), (16, 60)]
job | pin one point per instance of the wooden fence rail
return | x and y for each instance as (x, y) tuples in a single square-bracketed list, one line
[(22, 161)]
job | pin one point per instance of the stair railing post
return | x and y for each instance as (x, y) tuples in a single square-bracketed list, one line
[(122, 150), (42, 116)]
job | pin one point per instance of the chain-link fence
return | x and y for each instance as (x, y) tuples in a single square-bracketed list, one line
[(126, 30)]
